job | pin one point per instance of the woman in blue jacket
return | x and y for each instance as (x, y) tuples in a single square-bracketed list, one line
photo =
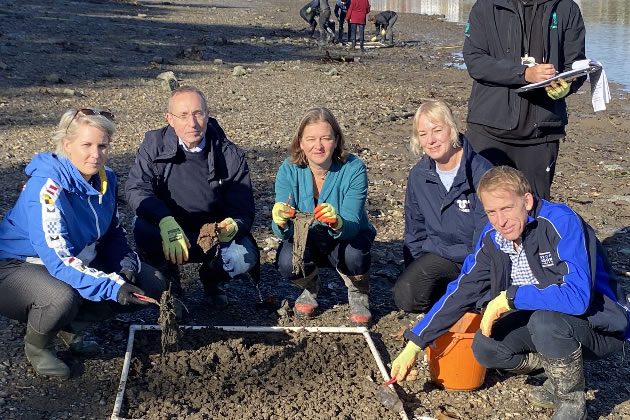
[(64, 258), (320, 177), (443, 215)]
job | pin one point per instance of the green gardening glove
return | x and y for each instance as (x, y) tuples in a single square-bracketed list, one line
[(558, 89), (227, 230), (175, 244), (309, 10), (405, 361)]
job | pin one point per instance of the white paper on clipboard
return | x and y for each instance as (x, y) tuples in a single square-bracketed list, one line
[(571, 74)]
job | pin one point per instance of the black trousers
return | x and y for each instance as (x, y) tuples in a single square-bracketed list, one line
[(28, 293), (552, 334), (536, 161), (352, 257), (423, 282)]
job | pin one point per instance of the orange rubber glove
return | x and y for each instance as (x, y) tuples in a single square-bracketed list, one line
[(326, 213)]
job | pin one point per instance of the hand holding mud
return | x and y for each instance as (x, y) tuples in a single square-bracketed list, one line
[(281, 213), (227, 230), (326, 213), (405, 361), (497, 307), (175, 244), (558, 89)]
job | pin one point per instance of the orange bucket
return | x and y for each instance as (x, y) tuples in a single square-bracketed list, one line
[(451, 361)]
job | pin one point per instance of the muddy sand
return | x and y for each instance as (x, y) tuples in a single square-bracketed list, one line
[(261, 72)]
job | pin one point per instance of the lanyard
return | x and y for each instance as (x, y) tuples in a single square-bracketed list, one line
[(521, 15)]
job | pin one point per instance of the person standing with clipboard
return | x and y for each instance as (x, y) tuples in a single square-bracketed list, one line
[(509, 44)]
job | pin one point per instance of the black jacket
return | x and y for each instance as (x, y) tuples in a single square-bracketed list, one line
[(229, 183), (565, 257), (492, 53)]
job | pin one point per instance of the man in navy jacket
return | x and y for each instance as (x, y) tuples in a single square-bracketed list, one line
[(509, 44), (188, 174), (540, 273)]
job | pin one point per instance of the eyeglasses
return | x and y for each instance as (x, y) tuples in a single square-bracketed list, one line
[(197, 115), (90, 111)]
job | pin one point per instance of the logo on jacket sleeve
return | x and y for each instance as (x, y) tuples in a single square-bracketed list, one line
[(545, 259), (464, 205), (554, 21)]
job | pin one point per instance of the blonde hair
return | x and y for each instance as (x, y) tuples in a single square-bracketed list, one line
[(314, 115), (69, 124), (504, 177), (436, 112)]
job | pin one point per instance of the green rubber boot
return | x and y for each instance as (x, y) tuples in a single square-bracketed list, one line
[(40, 352)]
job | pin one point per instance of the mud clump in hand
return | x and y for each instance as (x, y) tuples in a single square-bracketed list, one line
[(208, 237), (301, 223), (168, 321)]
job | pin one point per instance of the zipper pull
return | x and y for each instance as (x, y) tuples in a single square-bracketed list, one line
[(100, 199)]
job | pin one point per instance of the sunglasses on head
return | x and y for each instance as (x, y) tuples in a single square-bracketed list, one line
[(91, 111)]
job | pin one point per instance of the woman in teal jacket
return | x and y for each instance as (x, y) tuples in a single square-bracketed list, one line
[(320, 177)]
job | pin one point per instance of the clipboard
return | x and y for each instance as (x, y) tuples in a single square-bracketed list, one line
[(572, 74)]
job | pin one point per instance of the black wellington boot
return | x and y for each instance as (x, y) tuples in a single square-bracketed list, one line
[(567, 374), (40, 352)]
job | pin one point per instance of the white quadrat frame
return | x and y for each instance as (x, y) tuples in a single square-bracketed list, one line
[(339, 330)]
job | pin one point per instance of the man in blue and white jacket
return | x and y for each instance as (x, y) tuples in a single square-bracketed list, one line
[(540, 273)]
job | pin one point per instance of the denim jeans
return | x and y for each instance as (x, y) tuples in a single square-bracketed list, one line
[(353, 32)]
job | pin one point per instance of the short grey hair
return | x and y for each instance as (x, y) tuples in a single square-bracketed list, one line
[(436, 112), (187, 89), (69, 124)]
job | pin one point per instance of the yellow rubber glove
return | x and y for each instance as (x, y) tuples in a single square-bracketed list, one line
[(309, 10), (405, 361), (326, 213), (497, 307), (227, 230), (383, 32), (281, 213), (374, 38), (175, 244), (558, 89)]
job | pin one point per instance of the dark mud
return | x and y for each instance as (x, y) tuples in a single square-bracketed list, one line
[(237, 375), (301, 223), (168, 321)]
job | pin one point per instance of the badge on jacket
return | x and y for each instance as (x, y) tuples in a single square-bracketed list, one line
[(464, 205), (545, 259)]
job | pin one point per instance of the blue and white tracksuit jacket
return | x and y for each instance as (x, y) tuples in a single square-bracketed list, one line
[(62, 221), (564, 256)]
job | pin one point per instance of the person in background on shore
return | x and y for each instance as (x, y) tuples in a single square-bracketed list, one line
[(549, 295), (384, 23), (320, 177), (188, 174), (341, 8), (309, 16), (356, 15), (324, 17), (443, 214), (507, 46), (64, 257)]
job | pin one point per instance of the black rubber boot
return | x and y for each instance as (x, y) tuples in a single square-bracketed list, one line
[(543, 396), (358, 298), (72, 336), (306, 303), (531, 362), (567, 375), (361, 45), (354, 45), (40, 352), (213, 278)]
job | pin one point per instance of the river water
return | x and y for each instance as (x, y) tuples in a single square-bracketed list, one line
[(607, 27)]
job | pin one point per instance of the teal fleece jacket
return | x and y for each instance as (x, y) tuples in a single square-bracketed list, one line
[(345, 187)]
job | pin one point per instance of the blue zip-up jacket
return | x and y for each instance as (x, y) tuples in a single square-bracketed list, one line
[(444, 223), (229, 183), (341, 7), (565, 257), (492, 53), (345, 188), (62, 221)]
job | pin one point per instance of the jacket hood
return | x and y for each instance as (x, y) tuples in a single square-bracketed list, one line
[(61, 171)]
